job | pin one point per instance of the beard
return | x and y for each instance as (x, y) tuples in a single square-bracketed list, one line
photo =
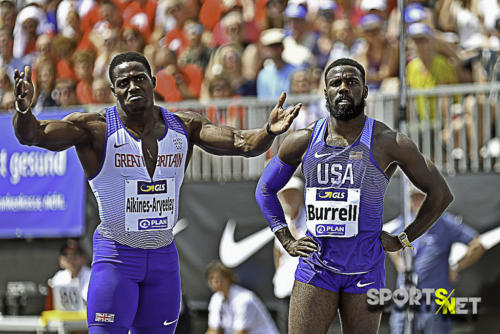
[(345, 112)]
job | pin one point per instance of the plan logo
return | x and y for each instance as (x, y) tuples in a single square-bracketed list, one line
[(330, 229), (152, 223)]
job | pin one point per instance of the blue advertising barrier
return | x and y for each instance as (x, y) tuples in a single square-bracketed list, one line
[(42, 193)]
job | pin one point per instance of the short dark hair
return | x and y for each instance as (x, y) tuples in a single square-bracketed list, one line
[(128, 57), (346, 61)]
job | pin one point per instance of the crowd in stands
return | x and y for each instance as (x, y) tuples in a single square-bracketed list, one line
[(209, 49)]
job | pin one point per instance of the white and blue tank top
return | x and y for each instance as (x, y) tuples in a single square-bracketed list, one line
[(135, 209)]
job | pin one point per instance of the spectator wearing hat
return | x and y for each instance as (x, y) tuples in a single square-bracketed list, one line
[(274, 77), (31, 21), (291, 197), (299, 38), (74, 273), (378, 56), (324, 43)]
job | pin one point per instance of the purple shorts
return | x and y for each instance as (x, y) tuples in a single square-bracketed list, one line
[(311, 273), (133, 288)]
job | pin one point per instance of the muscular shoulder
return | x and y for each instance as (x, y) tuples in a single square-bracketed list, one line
[(84, 118), (295, 145), (191, 120)]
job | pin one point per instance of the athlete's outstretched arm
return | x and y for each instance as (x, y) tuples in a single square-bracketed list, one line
[(276, 174), (425, 176), (226, 140), (55, 135)]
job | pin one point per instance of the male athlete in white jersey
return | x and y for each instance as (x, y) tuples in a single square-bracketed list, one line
[(135, 155), (347, 160)]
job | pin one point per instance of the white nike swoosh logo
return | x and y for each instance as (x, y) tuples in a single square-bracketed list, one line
[(316, 155), (168, 323), (362, 285), (233, 253)]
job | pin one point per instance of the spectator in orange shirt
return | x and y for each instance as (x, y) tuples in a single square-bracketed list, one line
[(63, 50), (175, 83), (83, 63), (140, 15), (176, 38)]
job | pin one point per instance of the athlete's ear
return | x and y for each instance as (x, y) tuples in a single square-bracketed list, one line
[(365, 91), (113, 89), (154, 81)]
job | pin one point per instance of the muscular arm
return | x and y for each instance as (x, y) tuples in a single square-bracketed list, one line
[(423, 174), (275, 176), (226, 140), (55, 135)]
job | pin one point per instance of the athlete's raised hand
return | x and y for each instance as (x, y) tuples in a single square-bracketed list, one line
[(301, 247), (281, 119), (23, 89)]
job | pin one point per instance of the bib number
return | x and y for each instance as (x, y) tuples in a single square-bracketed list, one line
[(332, 212), (149, 205), (67, 298)]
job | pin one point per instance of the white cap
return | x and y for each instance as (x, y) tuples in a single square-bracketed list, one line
[(366, 5), (294, 183), (272, 36)]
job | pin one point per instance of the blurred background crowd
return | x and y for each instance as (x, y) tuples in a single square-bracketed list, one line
[(209, 49)]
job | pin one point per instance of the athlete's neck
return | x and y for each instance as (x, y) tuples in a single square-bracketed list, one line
[(349, 130), (139, 121)]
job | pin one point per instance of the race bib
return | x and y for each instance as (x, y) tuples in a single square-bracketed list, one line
[(332, 212), (67, 297), (149, 205)]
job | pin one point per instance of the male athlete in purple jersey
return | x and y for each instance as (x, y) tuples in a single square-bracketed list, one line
[(347, 160), (135, 155)]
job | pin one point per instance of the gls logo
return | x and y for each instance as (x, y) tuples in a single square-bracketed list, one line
[(157, 187), (152, 223), (331, 194)]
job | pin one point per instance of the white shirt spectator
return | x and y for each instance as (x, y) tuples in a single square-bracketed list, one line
[(81, 6), (63, 278), (242, 311)]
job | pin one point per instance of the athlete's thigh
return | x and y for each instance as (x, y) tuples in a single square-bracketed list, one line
[(312, 309), (159, 294), (357, 316), (112, 299)]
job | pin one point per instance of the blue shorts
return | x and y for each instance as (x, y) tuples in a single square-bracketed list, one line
[(314, 274), (133, 288)]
